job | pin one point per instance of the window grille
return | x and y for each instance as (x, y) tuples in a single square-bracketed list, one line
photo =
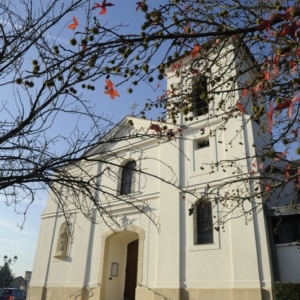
[(286, 229), (199, 95), (204, 224)]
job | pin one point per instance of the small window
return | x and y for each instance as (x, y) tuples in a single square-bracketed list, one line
[(203, 223), (199, 95), (286, 229), (202, 143), (128, 178)]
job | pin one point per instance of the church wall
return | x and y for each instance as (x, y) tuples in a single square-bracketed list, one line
[(235, 267), (43, 252), (169, 209)]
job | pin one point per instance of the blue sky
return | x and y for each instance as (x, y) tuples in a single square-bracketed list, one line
[(22, 243)]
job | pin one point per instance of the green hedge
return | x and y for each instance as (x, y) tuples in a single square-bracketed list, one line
[(287, 291)]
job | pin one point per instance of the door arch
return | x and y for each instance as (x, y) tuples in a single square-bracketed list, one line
[(112, 239)]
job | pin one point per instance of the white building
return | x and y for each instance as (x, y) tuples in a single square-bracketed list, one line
[(186, 259)]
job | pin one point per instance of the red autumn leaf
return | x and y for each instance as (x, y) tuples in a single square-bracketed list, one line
[(74, 25), (286, 29), (112, 93), (288, 104), (255, 89), (276, 59), (244, 92), (294, 100), (287, 174), (267, 75), (268, 187), (295, 132), (109, 84), (283, 105), (195, 51), (293, 66), (139, 5), (102, 6), (264, 24), (155, 127), (176, 66), (286, 16), (290, 30), (171, 135), (241, 108), (284, 153), (270, 118)]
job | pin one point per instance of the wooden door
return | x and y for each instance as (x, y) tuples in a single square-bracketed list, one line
[(131, 270)]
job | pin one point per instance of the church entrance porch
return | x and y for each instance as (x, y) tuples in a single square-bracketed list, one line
[(121, 264)]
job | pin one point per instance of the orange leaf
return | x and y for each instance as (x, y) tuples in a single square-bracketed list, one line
[(112, 93), (241, 108), (74, 25), (255, 89), (244, 92), (270, 118), (195, 51), (267, 75), (109, 84)]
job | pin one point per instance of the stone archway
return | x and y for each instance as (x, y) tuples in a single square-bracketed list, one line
[(113, 250)]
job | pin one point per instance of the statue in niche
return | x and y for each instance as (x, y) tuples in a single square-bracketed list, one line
[(62, 243), (63, 239)]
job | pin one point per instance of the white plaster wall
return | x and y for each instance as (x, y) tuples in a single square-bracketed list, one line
[(43, 252), (240, 260)]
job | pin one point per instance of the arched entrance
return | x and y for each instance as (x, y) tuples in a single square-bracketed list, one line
[(121, 263)]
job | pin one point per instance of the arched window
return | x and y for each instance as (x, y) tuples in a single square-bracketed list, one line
[(203, 224), (63, 241), (128, 178)]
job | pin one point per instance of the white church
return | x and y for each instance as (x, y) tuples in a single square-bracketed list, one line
[(164, 253)]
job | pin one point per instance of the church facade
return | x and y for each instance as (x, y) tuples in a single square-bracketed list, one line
[(164, 253)]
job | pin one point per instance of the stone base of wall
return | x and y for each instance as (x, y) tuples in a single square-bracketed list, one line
[(62, 293), (143, 293), (36, 293)]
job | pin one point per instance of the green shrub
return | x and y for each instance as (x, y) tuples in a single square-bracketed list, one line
[(287, 291)]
